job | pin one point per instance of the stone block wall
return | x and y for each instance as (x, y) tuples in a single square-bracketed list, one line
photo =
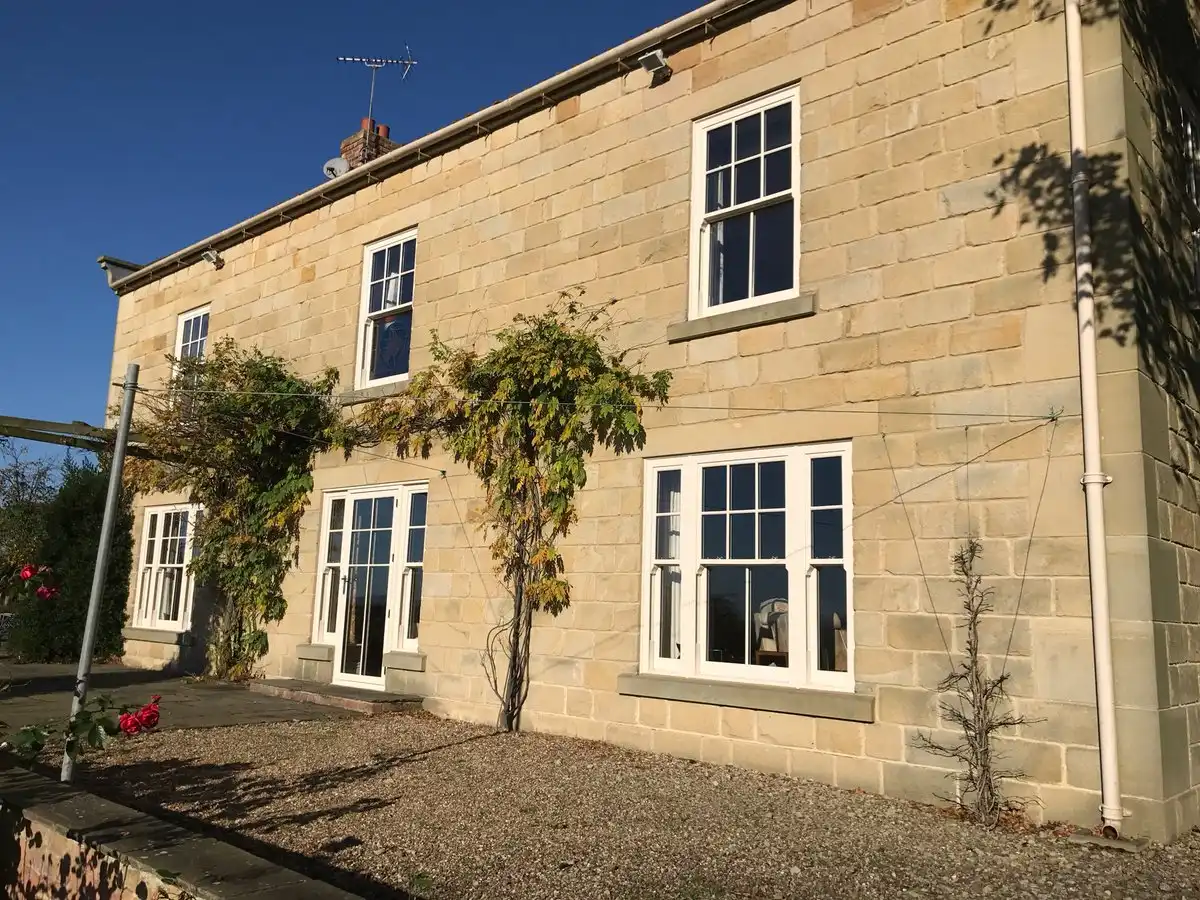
[(1162, 321), (942, 341)]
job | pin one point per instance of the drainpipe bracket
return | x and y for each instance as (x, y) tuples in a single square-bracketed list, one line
[(1095, 478)]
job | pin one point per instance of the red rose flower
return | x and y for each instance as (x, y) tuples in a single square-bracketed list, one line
[(45, 593), (147, 716), (129, 724), (27, 572), (154, 698)]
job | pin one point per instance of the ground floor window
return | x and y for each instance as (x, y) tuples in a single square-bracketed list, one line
[(165, 588), (747, 569), (369, 576)]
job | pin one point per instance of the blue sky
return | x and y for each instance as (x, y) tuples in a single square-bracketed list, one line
[(135, 128)]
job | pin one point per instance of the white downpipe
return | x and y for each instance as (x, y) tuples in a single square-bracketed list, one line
[(1094, 480)]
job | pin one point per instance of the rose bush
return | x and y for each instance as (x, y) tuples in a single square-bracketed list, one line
[(92, 727)]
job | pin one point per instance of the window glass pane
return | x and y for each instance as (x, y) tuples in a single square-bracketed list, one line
[(777, 171), (729, 260), (746, 184), (377, 264), (362, 514), (417, 507), (391, 292), (713, 488), (666, 537), (726, 632), (771, 485), (204, 326), (772, 535), (668, 491), (769, 615), (748, 136), (827, 481), (384, 508), (334, 552), (670, 594), (712, 536), (719, 147), (376, 624), (375, 303), (393, 261), (741, 486), (416, 578), (170, 592), (773, 248), (717, 189), (333, 587), (741, 536), (827, 533), (150, 538), (406, 287), (408, 256), (391, 342), (337, 513), (381, 547), (832, 646), (416, 545), (778, 126), (360, 548)]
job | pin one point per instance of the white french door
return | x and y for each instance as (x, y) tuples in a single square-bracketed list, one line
[(370, 577), (164, 599)]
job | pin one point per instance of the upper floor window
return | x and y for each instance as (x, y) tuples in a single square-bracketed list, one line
[(191, 334), (745, 204), (165, 587), (748, 567), (385, 336)]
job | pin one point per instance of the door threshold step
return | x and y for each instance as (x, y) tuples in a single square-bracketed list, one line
[(355, 699)]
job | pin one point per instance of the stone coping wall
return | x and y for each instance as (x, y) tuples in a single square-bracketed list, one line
[(59, 841)]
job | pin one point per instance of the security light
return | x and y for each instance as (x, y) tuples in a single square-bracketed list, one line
[(213, 258), (655, 62)]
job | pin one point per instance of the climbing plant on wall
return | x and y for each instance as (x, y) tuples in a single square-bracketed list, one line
[(525, 417), (238, 432)]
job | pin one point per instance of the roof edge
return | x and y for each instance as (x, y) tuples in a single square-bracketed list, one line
[(710, 19)]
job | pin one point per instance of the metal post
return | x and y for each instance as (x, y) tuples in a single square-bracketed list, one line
[(102, 553)]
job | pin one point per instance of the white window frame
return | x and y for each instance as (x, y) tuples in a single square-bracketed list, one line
[(182, 321), (1189, 122), (400, 633), (698, 289), (147, 612), (366, 319), (802, 670)]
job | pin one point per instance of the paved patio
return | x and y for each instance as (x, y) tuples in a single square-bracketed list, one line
[(36, 694)]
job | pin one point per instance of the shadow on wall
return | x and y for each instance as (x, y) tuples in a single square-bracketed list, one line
[(1142, 227), (32, 868)]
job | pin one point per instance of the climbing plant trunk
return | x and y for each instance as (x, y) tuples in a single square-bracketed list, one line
[(516, 681)]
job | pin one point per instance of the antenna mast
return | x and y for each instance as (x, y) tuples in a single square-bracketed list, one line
[(375, 64)]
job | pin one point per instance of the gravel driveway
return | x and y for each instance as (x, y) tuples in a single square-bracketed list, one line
[(440, 809)]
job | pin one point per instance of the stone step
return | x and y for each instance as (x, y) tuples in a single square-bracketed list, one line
[(355, 699)]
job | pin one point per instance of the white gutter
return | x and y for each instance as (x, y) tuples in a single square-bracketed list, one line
[(708, 20), (1111, 809)]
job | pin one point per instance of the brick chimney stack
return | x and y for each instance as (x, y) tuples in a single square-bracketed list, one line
[(367, 143)]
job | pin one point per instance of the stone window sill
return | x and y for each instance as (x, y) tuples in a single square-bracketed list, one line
[(317, 652), (379, 392), (405, 661), (157, 636), (721, 323), (767, 698)]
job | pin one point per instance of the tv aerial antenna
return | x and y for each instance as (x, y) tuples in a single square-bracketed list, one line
[(375, 63)]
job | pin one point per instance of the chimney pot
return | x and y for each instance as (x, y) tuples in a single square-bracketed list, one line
[(368, 124), (383, 131)]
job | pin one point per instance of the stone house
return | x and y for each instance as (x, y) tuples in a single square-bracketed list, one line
[(846, 227)]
